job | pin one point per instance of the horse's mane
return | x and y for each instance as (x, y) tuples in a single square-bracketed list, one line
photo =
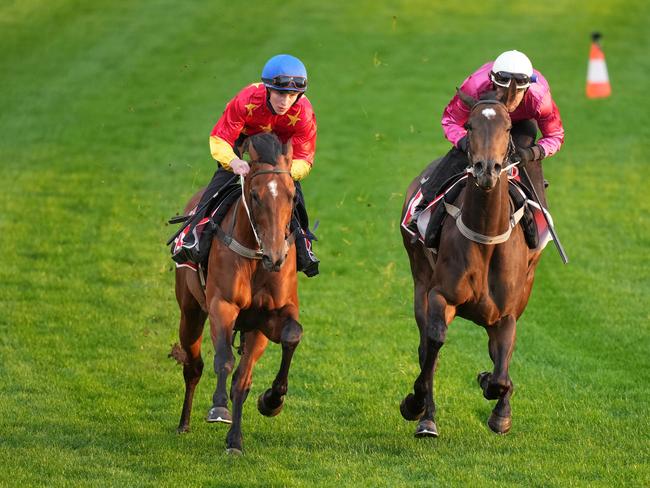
[(268, 147)]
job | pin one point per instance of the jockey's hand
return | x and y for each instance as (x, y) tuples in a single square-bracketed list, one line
[(462, 144), (527, 154), (239, 167)]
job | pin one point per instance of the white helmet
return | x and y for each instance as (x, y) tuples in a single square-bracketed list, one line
[(509, 65)]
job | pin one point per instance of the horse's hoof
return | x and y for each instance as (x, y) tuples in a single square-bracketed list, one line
[(426, 428), (409, 408), (483, 379), (219, 414), (234, 451), (183, 429), (264, 406), (499, 424)]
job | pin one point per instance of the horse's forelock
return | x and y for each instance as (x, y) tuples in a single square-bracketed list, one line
[(489, 95), (267, 146)]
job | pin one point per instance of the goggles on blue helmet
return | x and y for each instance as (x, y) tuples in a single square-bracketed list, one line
[(503, 78), (284, 82)]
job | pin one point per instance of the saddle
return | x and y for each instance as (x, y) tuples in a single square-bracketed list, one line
[(432, 218), (190, 246)]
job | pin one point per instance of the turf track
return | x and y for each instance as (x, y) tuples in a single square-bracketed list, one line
[(105, 111)]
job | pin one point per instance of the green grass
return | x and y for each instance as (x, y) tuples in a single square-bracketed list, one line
[(106, 111)]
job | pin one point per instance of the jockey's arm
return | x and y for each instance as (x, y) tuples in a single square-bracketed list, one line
[(453, 120), (222, 151), (304, 147), (550, 125)]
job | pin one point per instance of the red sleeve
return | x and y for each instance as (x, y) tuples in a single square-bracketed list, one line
[(304, 139), (231, 122)]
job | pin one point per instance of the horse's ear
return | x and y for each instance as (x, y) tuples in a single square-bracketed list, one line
[(511, 94), (465, 98), (249, 147), (287, 150)]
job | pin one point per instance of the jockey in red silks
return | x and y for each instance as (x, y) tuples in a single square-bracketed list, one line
[(277, 104), (527, 97)]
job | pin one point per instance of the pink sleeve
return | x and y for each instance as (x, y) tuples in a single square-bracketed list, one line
[(453, 120), (550, 125), (456, 113)]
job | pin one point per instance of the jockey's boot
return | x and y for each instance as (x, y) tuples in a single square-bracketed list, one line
[(306, 260), (528, 224), (529, 227), (434, 228)]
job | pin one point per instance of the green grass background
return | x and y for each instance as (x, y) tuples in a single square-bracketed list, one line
[(105, 111)]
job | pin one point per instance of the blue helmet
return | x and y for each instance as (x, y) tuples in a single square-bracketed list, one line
[(285, 73)]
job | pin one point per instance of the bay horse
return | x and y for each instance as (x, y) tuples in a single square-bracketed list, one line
[(251, 286), (485, 282)]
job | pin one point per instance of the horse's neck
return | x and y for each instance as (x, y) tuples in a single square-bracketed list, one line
[(487, 213)]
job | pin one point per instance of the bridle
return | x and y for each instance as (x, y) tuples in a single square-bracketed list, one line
[(236, 246), (456, 212), (251, 217), (511, 144)]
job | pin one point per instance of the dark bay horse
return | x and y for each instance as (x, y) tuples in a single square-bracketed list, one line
[(251, 286), (488, 283)]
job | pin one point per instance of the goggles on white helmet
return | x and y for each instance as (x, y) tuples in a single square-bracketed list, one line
[(503, 78)]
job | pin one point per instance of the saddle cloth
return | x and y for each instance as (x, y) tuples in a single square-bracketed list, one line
[(514, 179)]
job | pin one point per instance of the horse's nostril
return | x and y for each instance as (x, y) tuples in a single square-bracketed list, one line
[(497, 168)]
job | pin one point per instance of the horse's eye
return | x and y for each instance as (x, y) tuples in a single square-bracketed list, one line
[(255, 196)]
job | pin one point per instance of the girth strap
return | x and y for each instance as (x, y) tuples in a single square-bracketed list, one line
[(455, 212)]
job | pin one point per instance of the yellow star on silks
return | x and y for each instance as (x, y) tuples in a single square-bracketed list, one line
[(266, 128), (293, 119), (250, 107), (256, 85)]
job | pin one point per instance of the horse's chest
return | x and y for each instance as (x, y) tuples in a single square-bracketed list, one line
[(488, 295)]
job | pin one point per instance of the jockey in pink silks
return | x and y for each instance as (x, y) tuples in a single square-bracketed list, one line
[(527, 96)]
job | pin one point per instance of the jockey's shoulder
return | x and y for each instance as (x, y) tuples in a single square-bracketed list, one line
[(304, 105), (252, 92)]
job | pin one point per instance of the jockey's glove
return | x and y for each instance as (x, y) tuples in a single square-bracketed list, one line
[(239, 167), (527, 154), (462, 144)]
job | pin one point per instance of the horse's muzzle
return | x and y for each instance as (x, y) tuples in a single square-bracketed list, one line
[(487, 174), (272, 265)]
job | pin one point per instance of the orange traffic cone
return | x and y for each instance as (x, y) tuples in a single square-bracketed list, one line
[(597, 78)]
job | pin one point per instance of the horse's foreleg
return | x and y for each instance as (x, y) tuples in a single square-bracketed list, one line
[(271, 401), (498, 385), (222, 320), (190, 335), (439, 316), (409, 408), (254, 346)]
